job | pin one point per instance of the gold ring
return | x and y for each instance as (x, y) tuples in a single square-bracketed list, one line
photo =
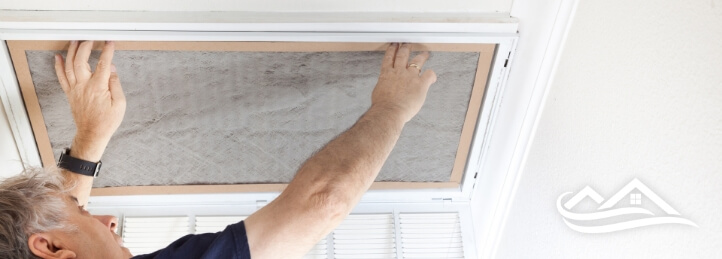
[(415, 65)]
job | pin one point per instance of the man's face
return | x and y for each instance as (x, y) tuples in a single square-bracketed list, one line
[(93, 236)]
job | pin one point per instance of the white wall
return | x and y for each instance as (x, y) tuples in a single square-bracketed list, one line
[(9, 158), (638, 93)]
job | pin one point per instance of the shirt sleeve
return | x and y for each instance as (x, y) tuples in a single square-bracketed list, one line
[(230, 243)]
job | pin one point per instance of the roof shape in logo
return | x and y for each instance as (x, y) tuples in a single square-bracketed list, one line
[(636, 184), (586, 192)]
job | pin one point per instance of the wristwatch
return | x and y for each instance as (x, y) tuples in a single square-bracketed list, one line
[(78, 166)]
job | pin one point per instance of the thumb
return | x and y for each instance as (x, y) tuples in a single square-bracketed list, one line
[(116, 90)]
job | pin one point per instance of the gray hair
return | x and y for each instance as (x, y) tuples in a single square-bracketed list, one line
[(29, 203)]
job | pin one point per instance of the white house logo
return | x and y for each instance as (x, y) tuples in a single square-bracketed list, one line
[(608, 219)]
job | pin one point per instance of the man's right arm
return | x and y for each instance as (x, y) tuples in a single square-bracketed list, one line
[(332, 182)]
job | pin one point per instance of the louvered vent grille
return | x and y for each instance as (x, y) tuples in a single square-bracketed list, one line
[(144, 235), (362, 236), (431, 235), (319, 251), (367, 236), (213, 224)]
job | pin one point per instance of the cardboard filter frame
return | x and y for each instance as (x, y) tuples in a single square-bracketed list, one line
[(486, 52)]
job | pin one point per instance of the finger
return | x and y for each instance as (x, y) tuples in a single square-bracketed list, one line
[(102, 71), (402, 56), (116, 90), (419, 60), (429, 76), (80, 64), (60, 71), (389, 56), (69, 57)]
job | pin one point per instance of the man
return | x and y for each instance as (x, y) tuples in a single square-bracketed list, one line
[(42, 213)]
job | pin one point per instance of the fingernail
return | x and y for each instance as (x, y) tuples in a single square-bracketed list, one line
[(112, 68), (57, 57)]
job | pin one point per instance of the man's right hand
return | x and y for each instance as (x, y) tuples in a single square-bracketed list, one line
[(402, 88)]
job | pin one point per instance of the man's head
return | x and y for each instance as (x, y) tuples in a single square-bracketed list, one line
[(40, 219)]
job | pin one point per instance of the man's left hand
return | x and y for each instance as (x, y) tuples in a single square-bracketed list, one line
[(96, 98)]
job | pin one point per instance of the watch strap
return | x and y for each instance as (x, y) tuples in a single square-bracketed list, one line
[(78, 166)]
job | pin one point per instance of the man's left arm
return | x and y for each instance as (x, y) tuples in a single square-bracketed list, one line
[(97, 103)]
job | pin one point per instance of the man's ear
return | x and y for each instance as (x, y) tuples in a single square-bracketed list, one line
[(47, 246)]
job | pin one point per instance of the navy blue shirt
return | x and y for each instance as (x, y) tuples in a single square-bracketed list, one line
[(231, 243)]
